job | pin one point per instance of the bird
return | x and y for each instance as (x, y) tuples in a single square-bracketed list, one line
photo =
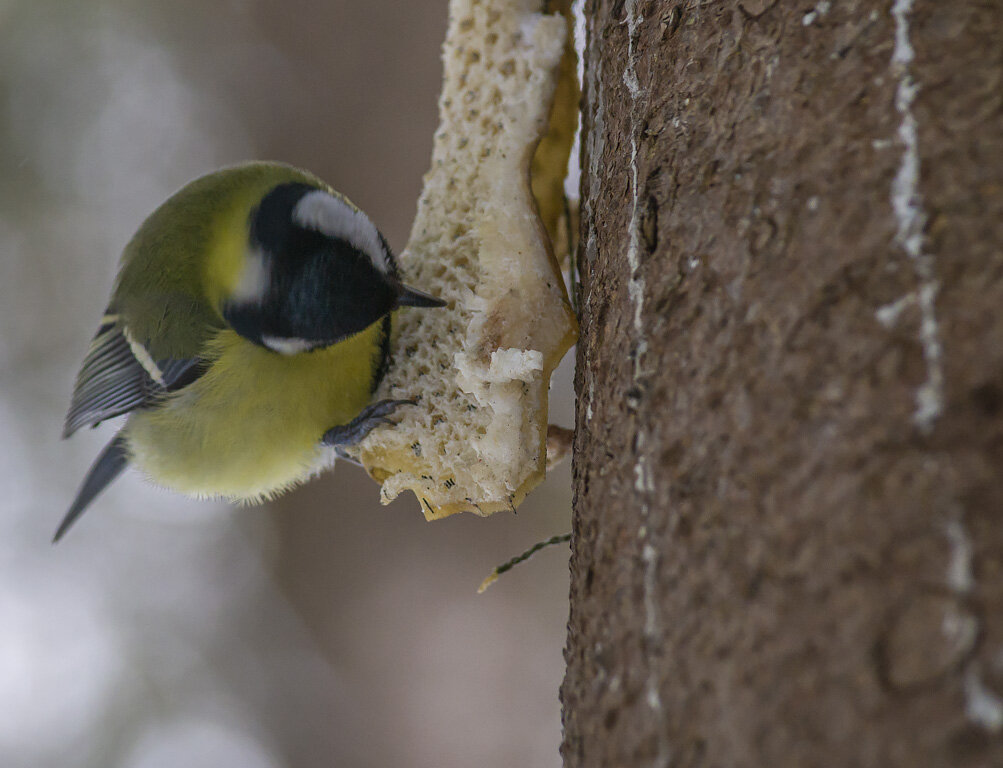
[(246, 333)]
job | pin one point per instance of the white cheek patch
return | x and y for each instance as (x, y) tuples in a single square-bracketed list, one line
[(327, 214), (252, 283), (288, 346)]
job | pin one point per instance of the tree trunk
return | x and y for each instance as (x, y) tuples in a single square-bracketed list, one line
[(788, 547)]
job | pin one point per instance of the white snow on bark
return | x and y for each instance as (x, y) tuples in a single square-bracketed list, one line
[(907, 204), (643, 479), (983, 706)]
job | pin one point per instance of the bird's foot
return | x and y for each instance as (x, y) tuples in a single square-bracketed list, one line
[(372, 416)]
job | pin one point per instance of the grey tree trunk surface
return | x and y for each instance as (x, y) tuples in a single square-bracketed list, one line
[(788, 532)]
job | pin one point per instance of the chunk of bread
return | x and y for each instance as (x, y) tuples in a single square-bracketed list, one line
[(480, 368)]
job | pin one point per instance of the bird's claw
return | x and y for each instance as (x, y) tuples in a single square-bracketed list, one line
[(370, 417)]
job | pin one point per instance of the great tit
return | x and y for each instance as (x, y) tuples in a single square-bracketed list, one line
[(247, 331)]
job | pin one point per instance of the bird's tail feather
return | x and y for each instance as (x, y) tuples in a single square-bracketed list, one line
[(108, 466)]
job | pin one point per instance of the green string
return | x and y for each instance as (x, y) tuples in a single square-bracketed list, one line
[(508, 566)]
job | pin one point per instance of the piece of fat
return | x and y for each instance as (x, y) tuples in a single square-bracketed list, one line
[(480, 368)]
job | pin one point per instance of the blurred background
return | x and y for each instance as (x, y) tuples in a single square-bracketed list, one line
[(322, 629)]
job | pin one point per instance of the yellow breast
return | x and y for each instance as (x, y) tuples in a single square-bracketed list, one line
[(251, 426)]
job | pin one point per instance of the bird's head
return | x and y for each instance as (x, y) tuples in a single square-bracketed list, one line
[(316, 271)]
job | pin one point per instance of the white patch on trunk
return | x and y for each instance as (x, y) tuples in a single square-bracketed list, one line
[(643, 480), (907, 203), (982, 706), (635, 285), (960, 572)]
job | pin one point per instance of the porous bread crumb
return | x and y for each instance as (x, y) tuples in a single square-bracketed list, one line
[(481, 366)]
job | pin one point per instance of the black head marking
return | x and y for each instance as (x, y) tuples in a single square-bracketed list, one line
[(272, 221), (321, 287)]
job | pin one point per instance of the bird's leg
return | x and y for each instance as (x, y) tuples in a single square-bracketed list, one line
[(370, 417)]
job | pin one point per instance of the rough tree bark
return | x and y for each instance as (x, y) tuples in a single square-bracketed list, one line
[(788, 545)]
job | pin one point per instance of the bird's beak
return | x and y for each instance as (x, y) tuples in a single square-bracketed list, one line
[(409, 297)]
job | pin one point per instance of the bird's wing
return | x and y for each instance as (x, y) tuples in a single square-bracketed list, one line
[(119, 375)]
